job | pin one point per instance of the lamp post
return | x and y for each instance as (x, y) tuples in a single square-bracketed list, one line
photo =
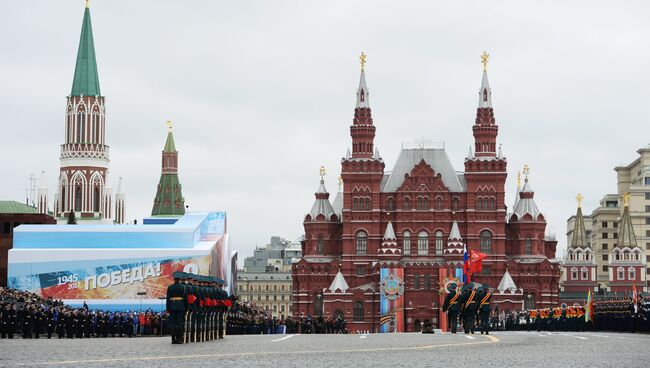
[(141, 294), (162, 311)]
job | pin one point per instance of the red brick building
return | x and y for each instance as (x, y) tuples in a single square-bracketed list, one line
[(418, 217), (13, 214)]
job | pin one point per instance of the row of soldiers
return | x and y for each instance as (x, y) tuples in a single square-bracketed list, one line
[(563, 318), (622, 314), (470, 304), (196, 306)]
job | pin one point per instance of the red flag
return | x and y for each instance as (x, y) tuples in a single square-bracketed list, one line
[(476, 261)]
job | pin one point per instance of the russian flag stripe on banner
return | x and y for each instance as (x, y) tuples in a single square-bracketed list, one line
[(465, 264)]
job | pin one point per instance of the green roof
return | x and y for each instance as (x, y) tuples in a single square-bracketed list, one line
[(86, 78), (16, 207), (169, 144), (169, 199)]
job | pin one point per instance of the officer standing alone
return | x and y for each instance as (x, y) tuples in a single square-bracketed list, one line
[(176, 306)]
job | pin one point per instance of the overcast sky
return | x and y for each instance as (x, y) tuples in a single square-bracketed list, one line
[(262, 93)]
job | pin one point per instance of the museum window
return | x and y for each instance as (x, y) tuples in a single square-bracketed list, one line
[(427, 282), (361, 270), (407, 203), (358, 311), (620, 273), (574, 273), (320, 246), (439, 204), (423, 243), (486, 241), (423, 203), (391, 204), (368, 205), (416, 282), (631, 273), (406, 243), (528, 245), (439, 242), (479, 203), (362, 242), (455, 204), (355, 203), (584, 273)]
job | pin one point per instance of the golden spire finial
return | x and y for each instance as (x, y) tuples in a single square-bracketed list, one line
[(340, 182), (579, 198), (362, 58), (169, 125), (626, 199), (485, 57), (87, 3), (322, 172), (526, 171), (518, 178)]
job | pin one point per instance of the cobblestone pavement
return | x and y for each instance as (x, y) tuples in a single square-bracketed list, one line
[(506, 349)]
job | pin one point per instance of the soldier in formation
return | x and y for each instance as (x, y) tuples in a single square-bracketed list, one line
[(452, 307)]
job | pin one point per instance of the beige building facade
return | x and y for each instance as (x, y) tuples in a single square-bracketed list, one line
[(271, 291)]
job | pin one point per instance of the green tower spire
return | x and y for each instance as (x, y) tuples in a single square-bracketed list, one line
[(169, 199), (86, 79)]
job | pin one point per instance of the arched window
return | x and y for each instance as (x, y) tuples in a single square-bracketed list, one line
[(358, 311), (631, 273), (96, 197), (455, 204), (439, 204), (584, 273), (78, 196), (407, 203), (63, 204), (362, 242), (620, 273), (416, 282), (427, 282), (423, 243), (406, 243), (528, 245), (479, 203), (574, 273), (368, 206), (486, 241), (320, 246), (391, 204), (81, 127), (439, 243)]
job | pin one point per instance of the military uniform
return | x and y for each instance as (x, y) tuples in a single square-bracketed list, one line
[(176, 306), (469, 307), (452, 307), (484, 297)]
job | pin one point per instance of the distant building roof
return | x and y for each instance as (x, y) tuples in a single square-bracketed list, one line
[(16, 207)]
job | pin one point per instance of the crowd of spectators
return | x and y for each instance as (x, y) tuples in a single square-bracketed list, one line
[(29, 315)]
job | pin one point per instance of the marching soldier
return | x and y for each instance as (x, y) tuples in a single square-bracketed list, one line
[(452, 307), (484, 309), (469, 307)]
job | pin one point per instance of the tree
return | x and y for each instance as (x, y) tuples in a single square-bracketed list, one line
[(72, 220)]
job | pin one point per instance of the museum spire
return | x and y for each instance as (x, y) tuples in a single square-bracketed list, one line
[(362, 130), (485, 128)]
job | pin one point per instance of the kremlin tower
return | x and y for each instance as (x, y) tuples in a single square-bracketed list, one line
[(169, 199), (82, 186)]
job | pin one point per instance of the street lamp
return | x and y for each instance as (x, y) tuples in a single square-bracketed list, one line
[(141, 294)]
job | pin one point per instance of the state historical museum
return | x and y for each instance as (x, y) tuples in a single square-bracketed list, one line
[(414, 221)]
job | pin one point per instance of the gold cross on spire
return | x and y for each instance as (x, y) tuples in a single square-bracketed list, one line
[(362, 59), (579, 198), (485, 57), (169, 125), (626, 199), (322, 172), (518, 179)]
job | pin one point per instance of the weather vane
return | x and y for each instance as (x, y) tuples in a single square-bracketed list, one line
[(169, 125), (362, 58), (579, 198), (484, 59), (322, 172)]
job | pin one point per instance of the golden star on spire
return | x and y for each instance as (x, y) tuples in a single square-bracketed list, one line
[(579, 198), (87, 3), (169, 125), (362, 58), (485, 57)]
